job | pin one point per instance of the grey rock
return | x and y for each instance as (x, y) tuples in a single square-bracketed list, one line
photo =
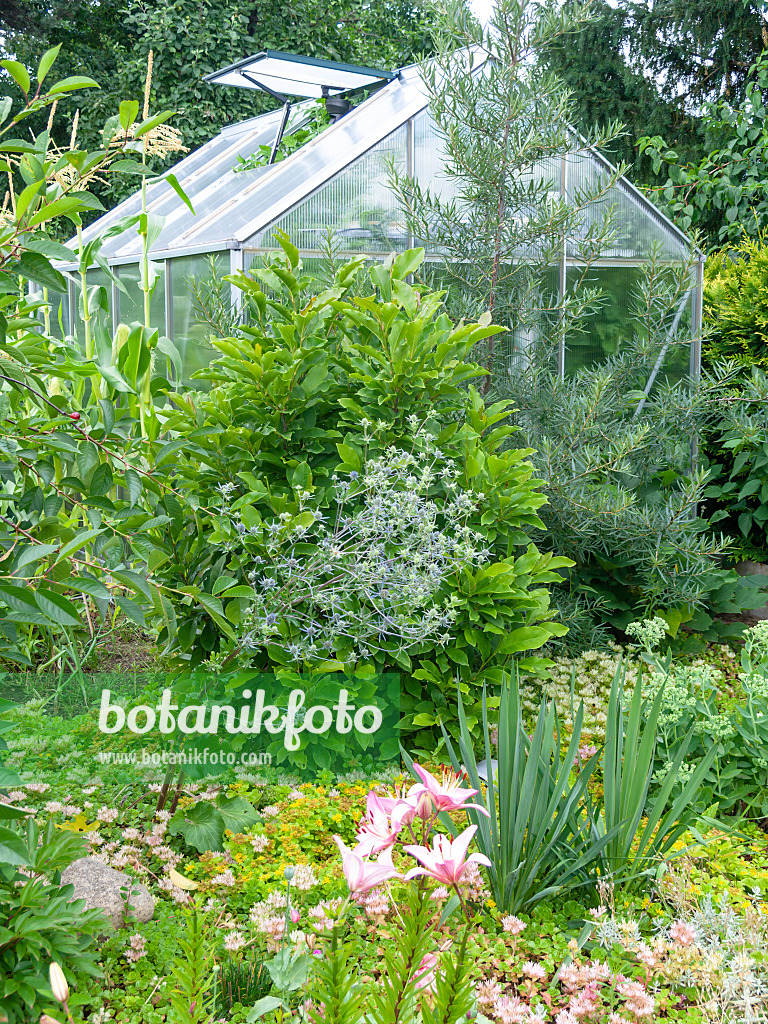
[(99, 885)]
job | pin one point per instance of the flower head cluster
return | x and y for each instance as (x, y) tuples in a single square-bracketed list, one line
[(445, 861), (371, 573), (136, 948), (650, 633)]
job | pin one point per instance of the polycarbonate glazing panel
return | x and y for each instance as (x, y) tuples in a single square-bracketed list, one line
[(637, 227), (428, 149), (606, 331), (189, 336), (336, 150), (131, 306), (356, 210)]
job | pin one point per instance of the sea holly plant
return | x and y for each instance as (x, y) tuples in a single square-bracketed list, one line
[(372, 575), (319, 382)]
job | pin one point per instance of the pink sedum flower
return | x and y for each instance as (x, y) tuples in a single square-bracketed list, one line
[(362, 874), (682, 934), (447, 861), (534, 971), (513, 925)]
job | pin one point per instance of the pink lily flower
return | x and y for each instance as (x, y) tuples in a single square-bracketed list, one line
[(381, 825), (361, 874), (447, 861), (445, 794), (400, 802)]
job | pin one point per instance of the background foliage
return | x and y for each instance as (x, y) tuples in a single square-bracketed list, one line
[(113, 39)]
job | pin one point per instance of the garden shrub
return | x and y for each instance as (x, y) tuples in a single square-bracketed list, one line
[(38, 923), (737, 448), (736, 303), (307, 393)]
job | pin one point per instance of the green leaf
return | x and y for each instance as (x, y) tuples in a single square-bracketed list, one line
[(19, 599), (526, 638), (170, 449), (63, 207), (236, 813), (46, 62), (101, 481), (214, 608), (129, 110), (18, 73), (201, 826), (263, 1006), (57, 608), (77, 542), (87, 585), (9, 813), (222, 583), (289, 972), (133, 610), (36, 267), (174, 183), (153, 122), (72, 83), (50, 248), (133, 483), (349, 456), (452, 905), (26, 197), (13, 850)]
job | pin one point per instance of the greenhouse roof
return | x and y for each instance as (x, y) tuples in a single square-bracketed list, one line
[(233, 208)]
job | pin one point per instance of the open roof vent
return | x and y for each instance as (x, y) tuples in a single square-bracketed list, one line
[(288, 74), (284, 75)]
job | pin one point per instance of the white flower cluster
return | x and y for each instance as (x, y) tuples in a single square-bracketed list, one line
[(586, 678), (650, 633)]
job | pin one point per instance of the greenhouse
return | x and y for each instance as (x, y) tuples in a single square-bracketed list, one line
[(336, 186)]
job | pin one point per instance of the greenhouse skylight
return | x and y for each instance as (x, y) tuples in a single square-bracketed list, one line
[(292, 75)]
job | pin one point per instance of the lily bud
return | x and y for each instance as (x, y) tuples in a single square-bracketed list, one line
[(45, 1019), (59, 985)]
